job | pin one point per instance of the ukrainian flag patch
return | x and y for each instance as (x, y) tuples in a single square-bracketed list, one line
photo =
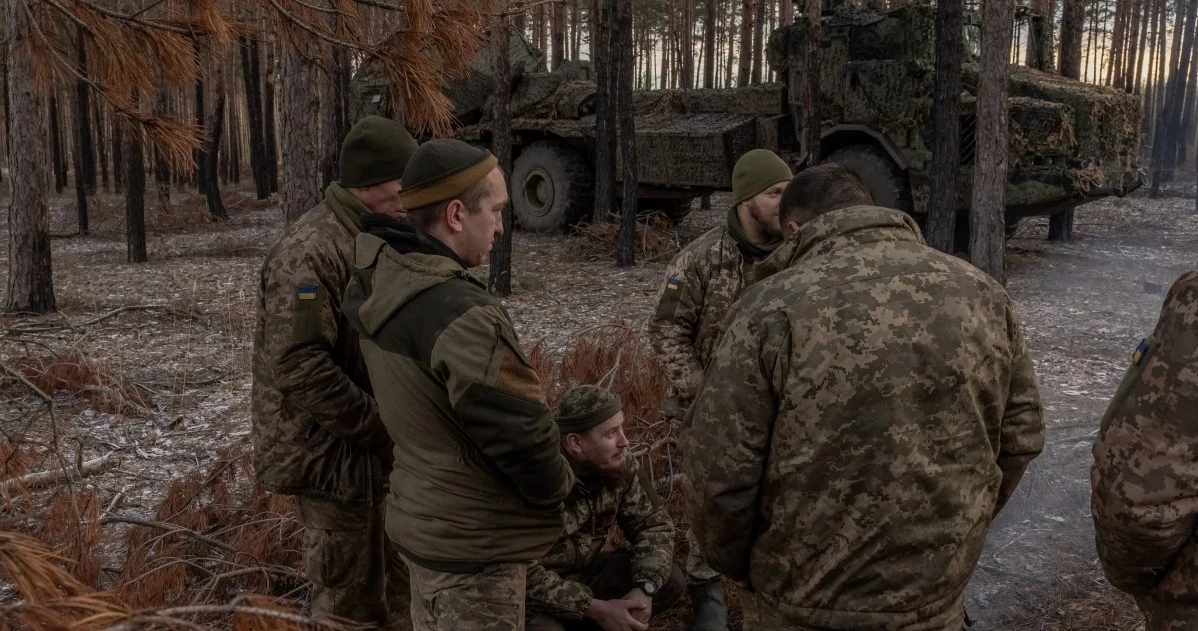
[(306, 292), (1138, 356), (673, 284)]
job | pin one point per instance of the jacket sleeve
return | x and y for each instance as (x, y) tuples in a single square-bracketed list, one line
[(548, 592), (1022, 431), (496, 394), (1145, 474), (646, 525), (732, 421), (302, 294), (675, 323)]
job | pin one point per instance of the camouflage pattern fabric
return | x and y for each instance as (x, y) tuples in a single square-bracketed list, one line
[(866, 414), (1145, 471), (316, 427), (608, 577), (488, 600), (555, 583), (355, 572)]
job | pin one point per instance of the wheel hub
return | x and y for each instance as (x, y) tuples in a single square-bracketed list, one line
[(538, 191)]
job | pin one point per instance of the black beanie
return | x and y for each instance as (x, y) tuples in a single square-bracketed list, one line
[(376, 150)]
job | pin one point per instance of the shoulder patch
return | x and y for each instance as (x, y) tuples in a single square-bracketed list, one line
[(306, 292), (1141, 350), (673, 284)]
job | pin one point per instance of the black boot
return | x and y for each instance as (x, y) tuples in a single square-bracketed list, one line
[(711, 614)]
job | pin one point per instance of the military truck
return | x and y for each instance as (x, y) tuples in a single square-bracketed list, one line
[(1069, 141)]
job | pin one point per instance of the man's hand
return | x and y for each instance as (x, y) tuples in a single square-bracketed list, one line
[(615, 615), (643, 603)]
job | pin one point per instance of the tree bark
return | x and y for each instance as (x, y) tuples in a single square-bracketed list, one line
[(1132, 57), (1168, 128), (269, 128), (622, 85), (499, 282), (812, 55), (83, 118), (252, 76), (162, 169), (58, 161), (1115, 58), (709, 32), (118, 154), (746, 43), (101, 143), (301, 160), (559, 34), (687, 33), (758, 36), (79, 157), (135, 197), (30, 275), (987, 233), (946, 126), (210, 184), (605, 129), (333, 114), (1072, 21)]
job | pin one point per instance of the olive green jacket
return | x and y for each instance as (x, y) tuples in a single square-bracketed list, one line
[(478, 476)]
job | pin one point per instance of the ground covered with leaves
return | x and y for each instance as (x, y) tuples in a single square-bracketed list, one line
[(140, 389)]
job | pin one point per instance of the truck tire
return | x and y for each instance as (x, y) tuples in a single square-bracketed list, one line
[(886, 182), (551, 187)]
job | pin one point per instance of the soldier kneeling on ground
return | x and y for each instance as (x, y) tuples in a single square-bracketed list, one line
[(578, 585)]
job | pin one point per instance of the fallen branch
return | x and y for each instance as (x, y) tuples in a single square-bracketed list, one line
[(41, 479), (170, 528)]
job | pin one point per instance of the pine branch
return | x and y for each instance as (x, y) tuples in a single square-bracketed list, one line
[(131, 19)]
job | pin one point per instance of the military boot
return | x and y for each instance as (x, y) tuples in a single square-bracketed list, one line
[(711, 614)]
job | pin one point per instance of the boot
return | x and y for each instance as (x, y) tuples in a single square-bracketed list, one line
[(711, 614)]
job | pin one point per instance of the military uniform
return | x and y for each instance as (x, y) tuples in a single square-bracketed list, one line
[(316, 428), (1146, 470), (478, 477), (562, 584), (867, 412)]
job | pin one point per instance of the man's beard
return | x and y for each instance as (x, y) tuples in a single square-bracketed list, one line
[(608, 476)]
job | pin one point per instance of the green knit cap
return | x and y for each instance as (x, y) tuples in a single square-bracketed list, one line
[(584, 407), (756, 171), (376, 150), (442, 170)]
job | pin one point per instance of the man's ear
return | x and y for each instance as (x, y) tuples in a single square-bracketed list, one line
[(792, 227), (573, 444), (454, 216)]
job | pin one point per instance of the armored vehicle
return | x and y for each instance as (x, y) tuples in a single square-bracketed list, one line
[(1069, 141)]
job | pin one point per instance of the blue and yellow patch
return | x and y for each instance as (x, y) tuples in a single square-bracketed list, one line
[(305, 292), (673, 284), (1138, 356)]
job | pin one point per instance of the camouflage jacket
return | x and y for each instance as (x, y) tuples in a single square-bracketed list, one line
[(868, 411), (701, 283), (589, 515), (1145, 472), (316, 428), (478, 476)]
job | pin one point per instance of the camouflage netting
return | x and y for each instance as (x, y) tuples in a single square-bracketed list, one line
[(1040, 128)]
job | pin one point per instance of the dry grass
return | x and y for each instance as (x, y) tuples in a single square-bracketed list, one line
[(74, 372), (653, 237)]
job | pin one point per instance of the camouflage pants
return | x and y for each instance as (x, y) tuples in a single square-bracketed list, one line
[(1168, 616), (490, 600), (697, 570), (759, 617), (356, 572), (610, 577)]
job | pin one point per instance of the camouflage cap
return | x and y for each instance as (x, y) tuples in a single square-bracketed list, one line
[(584, 407), (756, 171)]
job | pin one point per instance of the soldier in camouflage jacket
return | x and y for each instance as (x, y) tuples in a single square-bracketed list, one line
[(1145, 475), (868, 411), (316, 428), (577, 580)]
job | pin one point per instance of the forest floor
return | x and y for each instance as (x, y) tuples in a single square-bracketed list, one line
[(168, 345)]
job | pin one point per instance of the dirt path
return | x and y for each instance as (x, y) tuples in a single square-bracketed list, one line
[(187, 347)]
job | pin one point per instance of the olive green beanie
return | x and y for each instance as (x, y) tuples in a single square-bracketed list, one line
[(584, 407), (376, 150), (442, 170), (756, 171)]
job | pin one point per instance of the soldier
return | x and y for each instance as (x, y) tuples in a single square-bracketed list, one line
[(316, 428), (701, 283), (478, 477), (1146, 470), (867, 412), (577, 585)]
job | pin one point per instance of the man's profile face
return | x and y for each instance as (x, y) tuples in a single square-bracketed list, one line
[(602, 451), (481, 225), (763, 208)]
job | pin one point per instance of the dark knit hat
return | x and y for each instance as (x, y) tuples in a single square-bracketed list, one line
[(442, 170), (375, 150), (756, 171), (584, 407)]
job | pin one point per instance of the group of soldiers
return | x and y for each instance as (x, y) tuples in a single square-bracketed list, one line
[(855, 408)]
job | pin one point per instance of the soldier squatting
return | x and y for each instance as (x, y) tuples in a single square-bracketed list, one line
[(856, 409)]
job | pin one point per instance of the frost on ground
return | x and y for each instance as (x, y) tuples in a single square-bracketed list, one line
[(174, 335)]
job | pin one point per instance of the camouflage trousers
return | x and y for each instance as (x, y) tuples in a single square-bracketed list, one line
[(356, 572), (697, 570), (760, 617), (490, 600), (610, 577), (1168, 616)]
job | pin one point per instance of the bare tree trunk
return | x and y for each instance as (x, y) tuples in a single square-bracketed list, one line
[(1184, 130), (210, 185), (814, 116), (269, 128), (1128, 70), (709, 32), (946, 131), (333, 122), (621, 41), (252, 77), (1168, 128), (30, 275), (83, 116), (575, 29), (787, 16), (987, 234), (1072, 21), (79, 157), (135, 197), (687, 33), (758, 50), (1115, 59), (300, 154), (57, 161), (746, 43), (559, 34), (162, 169), (729, 26), (101, 143), (500, 280), (605, 120), (118, 154)]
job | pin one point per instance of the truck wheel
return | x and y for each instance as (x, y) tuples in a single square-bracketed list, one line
[(551, 187), (886, 182)]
